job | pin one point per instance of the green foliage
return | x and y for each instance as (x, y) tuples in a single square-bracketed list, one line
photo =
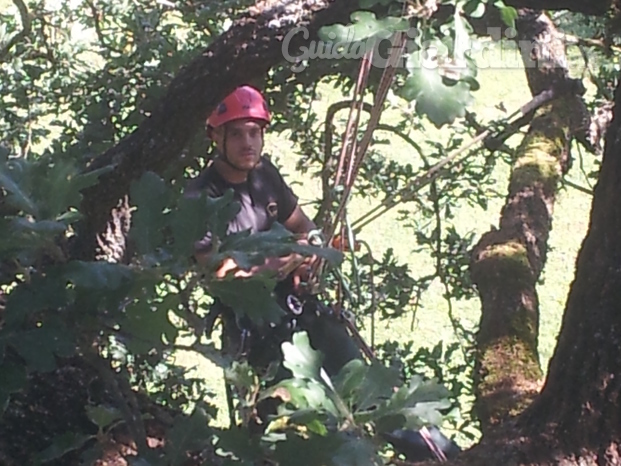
[(257, 303), (103, 416), (365, 25), (39, 345), (440, 102), (361, 398), (12, 379), (188, 434), (61, 445), (62, 309), (301, 359), (508, 14), (447, 365), (149, 197)]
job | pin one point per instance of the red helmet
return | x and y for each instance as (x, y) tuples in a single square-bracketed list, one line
[(243, 102)]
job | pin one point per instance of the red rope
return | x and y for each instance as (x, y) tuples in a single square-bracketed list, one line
[(376, 111), (432, 446)]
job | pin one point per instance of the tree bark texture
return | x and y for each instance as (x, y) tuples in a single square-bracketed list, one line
[(507, 262), (581, 401), (245, 52)]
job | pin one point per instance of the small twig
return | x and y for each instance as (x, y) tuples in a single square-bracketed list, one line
[(373, 291), (590, 42), (406, 138), (577, 187), (457, 327), (98, 30), (419, 293), (26, 28)]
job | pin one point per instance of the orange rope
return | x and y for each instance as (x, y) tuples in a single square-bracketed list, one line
[(356, 107)]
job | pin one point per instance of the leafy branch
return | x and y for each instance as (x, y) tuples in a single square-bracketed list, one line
[(26, 29), (100, 34)]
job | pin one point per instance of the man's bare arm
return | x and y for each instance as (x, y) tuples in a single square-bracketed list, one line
[(298, 222)]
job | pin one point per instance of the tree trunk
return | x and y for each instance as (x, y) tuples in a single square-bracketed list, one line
[(507, 262), (580, 404)]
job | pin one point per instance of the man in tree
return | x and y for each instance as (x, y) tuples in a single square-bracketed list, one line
[(237, 126)]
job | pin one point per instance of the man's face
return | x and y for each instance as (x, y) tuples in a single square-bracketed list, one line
[(244, 143)]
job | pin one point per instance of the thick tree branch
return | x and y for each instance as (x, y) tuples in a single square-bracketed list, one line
[(26, 28), (507, 262)]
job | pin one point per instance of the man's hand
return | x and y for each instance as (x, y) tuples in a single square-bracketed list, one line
[(302, 271), (296, 265), (272, 265), (302, 275)]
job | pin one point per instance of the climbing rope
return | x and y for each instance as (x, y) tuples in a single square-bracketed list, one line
[(356, 158), (350, 160)]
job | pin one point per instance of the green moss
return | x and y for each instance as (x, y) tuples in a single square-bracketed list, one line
[(539, 155), (525, 328), (539, 163), (511, 250), (510, 368), (510, 356), (537, 168), (510, 258)]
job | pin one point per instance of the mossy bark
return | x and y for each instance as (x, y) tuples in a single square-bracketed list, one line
[(507, 262), (576, 419), (580, 404)]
